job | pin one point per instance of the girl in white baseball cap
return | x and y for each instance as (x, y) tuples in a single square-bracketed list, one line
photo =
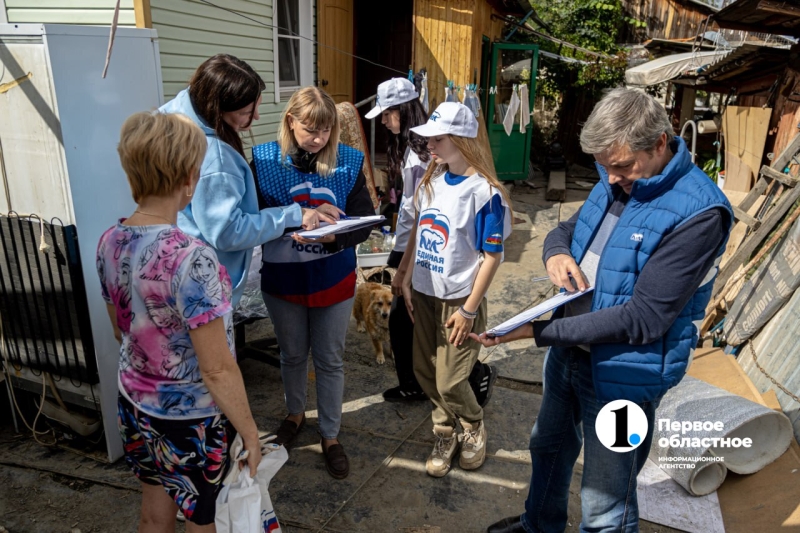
[(400, 110), (408, 157), (463, 216)]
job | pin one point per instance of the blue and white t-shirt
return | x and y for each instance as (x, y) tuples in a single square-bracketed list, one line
[(465, 217)]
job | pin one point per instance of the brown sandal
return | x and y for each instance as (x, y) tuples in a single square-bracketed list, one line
[(336, 461), (288, 431)]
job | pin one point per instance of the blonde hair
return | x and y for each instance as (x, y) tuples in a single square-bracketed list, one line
[(159, 151), (315, 109), (476, 157)]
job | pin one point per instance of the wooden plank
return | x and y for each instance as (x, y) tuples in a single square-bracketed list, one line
[(738, 174), (556, 186), (785, 202), (448, 43), (786, 179), (735, 197), (745, 130), (144, 18), (465, 29), (751, 222), (739, 232), (753, 196)]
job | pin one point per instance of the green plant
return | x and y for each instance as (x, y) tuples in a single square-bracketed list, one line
[(711, 168), (595, 26)]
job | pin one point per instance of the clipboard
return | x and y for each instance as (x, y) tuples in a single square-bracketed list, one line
[(344, 225), (535, 312)]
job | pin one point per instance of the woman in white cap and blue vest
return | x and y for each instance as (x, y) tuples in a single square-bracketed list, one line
[(463, 216), (400, 110)]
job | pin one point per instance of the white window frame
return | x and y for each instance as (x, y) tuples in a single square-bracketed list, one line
[(306, 15)]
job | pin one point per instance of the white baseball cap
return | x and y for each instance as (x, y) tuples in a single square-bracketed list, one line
[(396, 91), (450, 118)]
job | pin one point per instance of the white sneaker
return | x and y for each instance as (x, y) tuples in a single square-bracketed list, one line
[(473, 445), (444, 450)]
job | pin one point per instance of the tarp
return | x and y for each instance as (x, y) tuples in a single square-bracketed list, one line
[(669, 67)]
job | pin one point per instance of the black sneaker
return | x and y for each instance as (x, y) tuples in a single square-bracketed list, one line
[(398, 394), (483, 389)]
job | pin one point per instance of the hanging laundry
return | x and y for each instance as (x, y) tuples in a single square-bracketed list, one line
[(511, 112), (421, 85), (471, 100), (450, 94), (524, 108), (423, 93)]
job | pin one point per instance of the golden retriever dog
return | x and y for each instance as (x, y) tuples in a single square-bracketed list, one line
[(371, 311)]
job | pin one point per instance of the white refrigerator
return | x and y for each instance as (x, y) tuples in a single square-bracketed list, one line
[(59, 129)]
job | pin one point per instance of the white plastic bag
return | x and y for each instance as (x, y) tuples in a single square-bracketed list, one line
[(243, 503)]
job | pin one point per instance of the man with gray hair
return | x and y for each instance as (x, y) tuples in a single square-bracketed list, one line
[(648, 240)]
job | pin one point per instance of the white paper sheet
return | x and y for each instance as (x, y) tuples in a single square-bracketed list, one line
[(342, 226), (535, 312)]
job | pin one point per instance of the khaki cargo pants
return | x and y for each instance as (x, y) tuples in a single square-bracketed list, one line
[(443, 369)]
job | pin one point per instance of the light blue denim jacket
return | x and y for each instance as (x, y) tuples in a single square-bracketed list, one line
[(224, 208)]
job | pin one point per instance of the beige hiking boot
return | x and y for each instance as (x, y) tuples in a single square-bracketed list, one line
[(473, 445), (444, 450)]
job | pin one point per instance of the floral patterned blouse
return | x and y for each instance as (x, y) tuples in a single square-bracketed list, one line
[(163, 283)]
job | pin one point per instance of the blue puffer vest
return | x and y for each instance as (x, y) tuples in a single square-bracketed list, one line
[(657, 206)]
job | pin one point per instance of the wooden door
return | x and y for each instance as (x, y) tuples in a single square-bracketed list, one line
[(335, 29)]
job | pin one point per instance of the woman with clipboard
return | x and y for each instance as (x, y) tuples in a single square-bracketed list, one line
[(309, 285)]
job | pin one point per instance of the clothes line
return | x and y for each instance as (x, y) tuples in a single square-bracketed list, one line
[(530, 30), (435, 82)]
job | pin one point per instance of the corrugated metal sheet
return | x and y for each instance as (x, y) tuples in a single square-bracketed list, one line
[(85, 12), (191, 32), (778, 352)]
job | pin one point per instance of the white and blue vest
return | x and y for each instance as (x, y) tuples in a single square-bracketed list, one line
[(657, 206)]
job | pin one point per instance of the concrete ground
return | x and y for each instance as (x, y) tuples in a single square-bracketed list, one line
[(51, 490)]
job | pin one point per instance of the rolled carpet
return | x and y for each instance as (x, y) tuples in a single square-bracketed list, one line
[(703, 431)]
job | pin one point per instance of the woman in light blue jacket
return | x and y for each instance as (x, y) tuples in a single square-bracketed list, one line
[(223, 98)]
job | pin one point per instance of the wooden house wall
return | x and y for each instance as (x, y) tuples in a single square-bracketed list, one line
[(786, 109), (666, 19), (447, 40)]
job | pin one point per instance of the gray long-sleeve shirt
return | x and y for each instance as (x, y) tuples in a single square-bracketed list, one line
[(664, 287)]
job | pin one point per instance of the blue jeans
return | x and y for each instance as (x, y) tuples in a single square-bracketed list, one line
[(567, 420), (323, 330)]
